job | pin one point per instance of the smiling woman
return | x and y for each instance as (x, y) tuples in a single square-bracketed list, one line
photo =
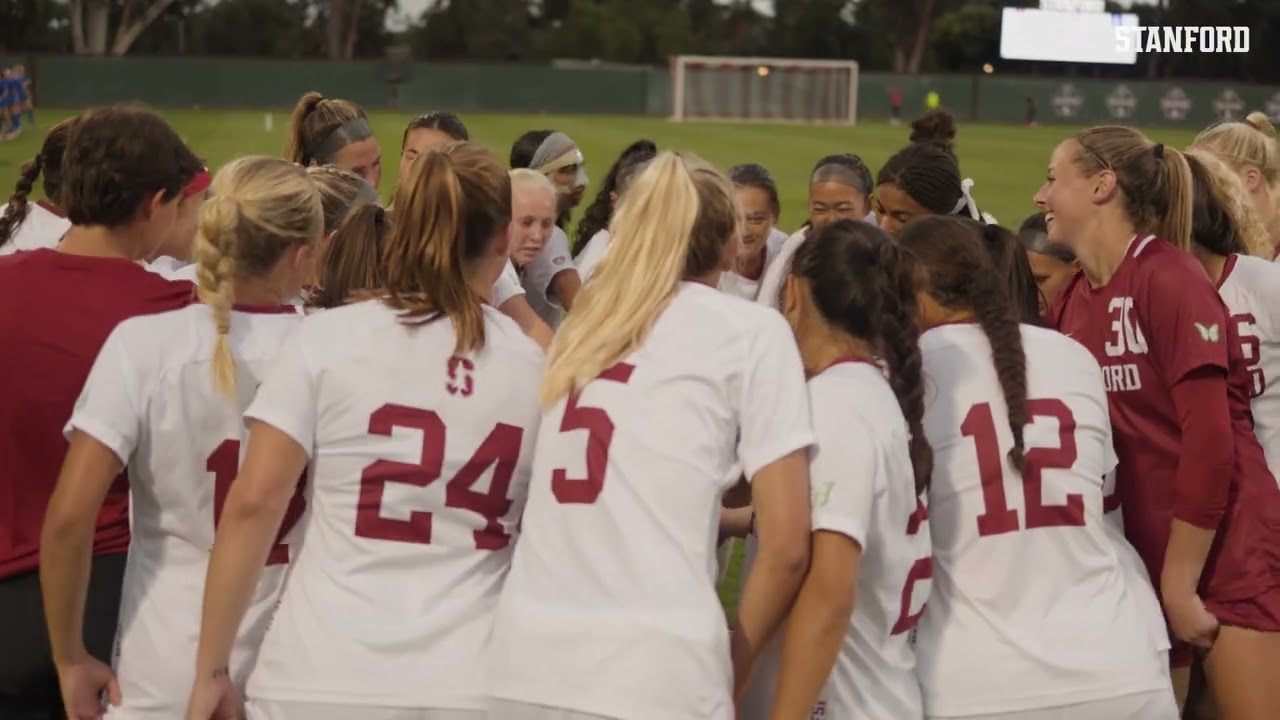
[(326, 131)]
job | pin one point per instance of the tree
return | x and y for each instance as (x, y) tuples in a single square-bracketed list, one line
[(33, 26), (91, 22), (963, 40)]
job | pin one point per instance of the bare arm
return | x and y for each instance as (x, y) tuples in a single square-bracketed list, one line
[(565, 286), (780, 492), (817, 624), (251, 517), (517, 308), (66, 542)]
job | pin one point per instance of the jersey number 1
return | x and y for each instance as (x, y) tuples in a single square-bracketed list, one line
[(224, 463), (997, 517)]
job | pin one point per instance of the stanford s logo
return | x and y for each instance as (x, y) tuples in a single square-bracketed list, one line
[(460, 381), (819, 711)]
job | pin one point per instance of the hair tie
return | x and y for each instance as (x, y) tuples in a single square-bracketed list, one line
[(1158, 151), (966, 200)]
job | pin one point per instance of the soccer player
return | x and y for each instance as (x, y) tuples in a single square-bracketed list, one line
[(551, 281), (1199, 503), (761, 238), (1031, 581), (595, 220), (1011, 262), (427, 131), (324, 131), (126, 170), (10, 114), (164, 399), (1249, 147), (626, 170), (840, 186), (846, 651), (533, 214), (25, 225), (417, 410), (1052, 266), (923, 179), (658, 385)]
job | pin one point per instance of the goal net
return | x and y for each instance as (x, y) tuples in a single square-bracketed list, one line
[(764, 89)]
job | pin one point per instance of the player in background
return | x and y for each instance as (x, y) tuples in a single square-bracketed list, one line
[(623, 174), (1249, 147), (533, 215), (329, 131), (1052, 266), (551, 281), (164, 399), (417, 410), (761, 239), (125, 170), (840, 186), (10, 116), (658, 385), (25, 225), (352, 264), (923, 179), (595, 219), (1012, 264), (1197, 497), (1040, 609), (846, 650), (27, 97), (427, 131)]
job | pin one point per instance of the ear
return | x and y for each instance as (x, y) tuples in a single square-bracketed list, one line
[(1105, 186), (790, 297), (1253, 179), (303, 261), (152, 205)]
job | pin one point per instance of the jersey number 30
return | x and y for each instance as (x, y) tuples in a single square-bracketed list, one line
[(997, 517)]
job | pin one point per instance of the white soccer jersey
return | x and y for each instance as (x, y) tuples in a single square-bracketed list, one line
[(419, 467), (1037, 600), (863, 486), (554, 259), (770, 292), (611, 607), (1250, 287), (745, 287), (42, 228), (592, 254), (507, 286), (151, 399)]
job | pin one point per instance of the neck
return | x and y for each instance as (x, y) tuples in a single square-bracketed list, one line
[(751, 266), (947, 316), (822, 347), (479, 287), (711, 279), (1213, 263), (1109, 244), (259, 292), (97, 241)]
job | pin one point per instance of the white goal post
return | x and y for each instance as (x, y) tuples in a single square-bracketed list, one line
[(757, 89)]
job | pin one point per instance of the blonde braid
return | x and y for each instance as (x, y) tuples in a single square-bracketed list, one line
[(215, 273)]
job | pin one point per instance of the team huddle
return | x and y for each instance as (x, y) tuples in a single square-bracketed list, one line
[(272, 450)]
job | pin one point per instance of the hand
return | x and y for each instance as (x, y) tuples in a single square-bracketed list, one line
[(1190, 621), (83, 682), (214, 697)]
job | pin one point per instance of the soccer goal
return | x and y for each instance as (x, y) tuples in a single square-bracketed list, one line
[(764, 89)]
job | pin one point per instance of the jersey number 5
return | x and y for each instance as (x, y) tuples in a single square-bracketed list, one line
[(500, 449), (599, 427), (997, 517), (224, 463)]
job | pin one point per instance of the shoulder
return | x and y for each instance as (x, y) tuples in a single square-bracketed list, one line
[(739, 315), (503, 335), (1157, 259), (160, 337), (1052, 348)]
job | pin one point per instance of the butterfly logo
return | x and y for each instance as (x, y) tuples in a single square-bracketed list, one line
[(1208, 333)]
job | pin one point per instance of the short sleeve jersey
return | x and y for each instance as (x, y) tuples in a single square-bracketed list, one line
[(610, 607), (1250, 287), (745, 287), (1158, 319), (43, 227), (775, 275), (56, 310), (1037, 600), (863, 487), (151, 399), (592, 254), (419, 464), (507, 286), (554, 259)]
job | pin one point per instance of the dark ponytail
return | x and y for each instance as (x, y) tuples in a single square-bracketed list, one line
[(960, 276), (597, 215), (16, 211), (865, 285), (1011, 262), (352, 263)]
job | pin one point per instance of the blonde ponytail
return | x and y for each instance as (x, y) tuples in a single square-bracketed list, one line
[(670, 224), (215, 273)]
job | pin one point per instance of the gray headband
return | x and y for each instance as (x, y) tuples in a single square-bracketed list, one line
[(559, 151), (353, 130), (833, 172)]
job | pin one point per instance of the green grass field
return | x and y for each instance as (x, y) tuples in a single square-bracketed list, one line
[(1007, 162)]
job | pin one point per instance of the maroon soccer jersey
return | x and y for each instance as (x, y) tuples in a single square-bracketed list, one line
[(1158, 319), (56, 310)]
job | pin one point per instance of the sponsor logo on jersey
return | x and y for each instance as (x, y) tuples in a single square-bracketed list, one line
[(1208, 333), (820, 495)]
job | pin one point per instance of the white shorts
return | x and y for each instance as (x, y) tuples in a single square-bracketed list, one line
[(509, 710), (275, 710), (1151, 705)]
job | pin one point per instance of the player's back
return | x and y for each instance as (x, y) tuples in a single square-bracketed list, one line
[(419, 462), (151, 398), (1250, 288), (1037, 600), (618, 547)]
